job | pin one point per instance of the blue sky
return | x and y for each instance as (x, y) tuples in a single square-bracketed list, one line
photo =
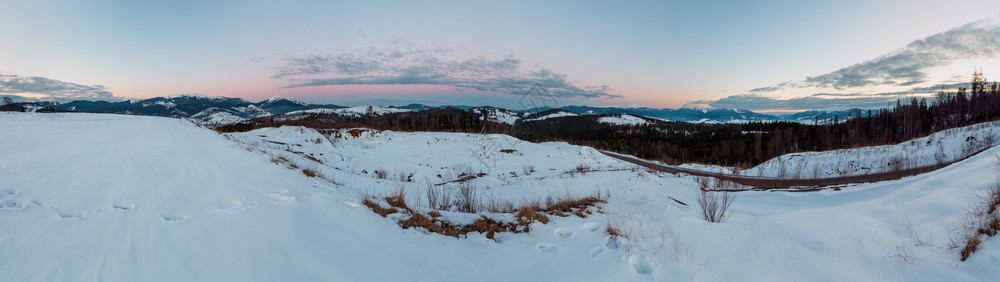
[(649, 53)]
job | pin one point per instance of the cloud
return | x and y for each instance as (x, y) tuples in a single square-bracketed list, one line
[(906, 69), (756, 102), (418, 66), (51, 89), (909, 66)]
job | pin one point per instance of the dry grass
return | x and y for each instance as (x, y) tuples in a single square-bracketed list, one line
[(581, 169), (524, 215), (309, 172), (375, 207), (398, 198), (615, 232), (381, 173), (983, 219)]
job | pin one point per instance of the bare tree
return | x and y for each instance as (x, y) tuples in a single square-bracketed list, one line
[(714, 204)]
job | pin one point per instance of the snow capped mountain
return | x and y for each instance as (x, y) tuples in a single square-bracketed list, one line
[(356, 111), (553, 113), (205, 110), (826, 117), (696, 115), (208, 110)]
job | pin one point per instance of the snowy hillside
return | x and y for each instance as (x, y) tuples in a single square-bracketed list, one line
[(497, 115), (940, 147), (356, 111), (623, 120), (128, 198)]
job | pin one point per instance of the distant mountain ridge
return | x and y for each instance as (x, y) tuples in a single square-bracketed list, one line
[(216, 111)]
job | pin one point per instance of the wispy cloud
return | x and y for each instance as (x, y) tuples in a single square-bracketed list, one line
[(825, 101), (906, 69), (756, 102), (909, 66), (418, 66), (51, 89)]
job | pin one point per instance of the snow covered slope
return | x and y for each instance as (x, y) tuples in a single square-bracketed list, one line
[(127, 198), (623, 120), (944, 146)]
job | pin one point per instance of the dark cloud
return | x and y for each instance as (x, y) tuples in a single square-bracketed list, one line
[(908, 66), (52, 89), (416, 66)]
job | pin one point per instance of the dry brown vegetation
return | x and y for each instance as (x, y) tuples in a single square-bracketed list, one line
[(433, 221), (982, 220)]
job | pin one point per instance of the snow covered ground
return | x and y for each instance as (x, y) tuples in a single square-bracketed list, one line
[(623, 120), (109, 197), (940, 147)]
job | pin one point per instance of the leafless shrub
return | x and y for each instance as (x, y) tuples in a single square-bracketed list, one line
[(528, 169), (498, 205), (438, 198), (914, 236), (466, 200), (381, 173), (715, 205), (581, 169)]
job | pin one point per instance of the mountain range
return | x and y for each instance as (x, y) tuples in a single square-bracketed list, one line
[(216, 111)]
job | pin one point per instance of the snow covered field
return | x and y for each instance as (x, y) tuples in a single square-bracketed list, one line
[(126, 198), (940, 147)]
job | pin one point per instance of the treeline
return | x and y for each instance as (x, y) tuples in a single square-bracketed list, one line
[(439, 120)]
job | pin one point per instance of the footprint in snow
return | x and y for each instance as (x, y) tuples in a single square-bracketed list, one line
[(596, 251), (564, 233), (232, 206), (72, 214), (10, 204), (123, 207), (591, 226), (282, 197), (7, 193), (173, 218), (547, 247), (641, 264)]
